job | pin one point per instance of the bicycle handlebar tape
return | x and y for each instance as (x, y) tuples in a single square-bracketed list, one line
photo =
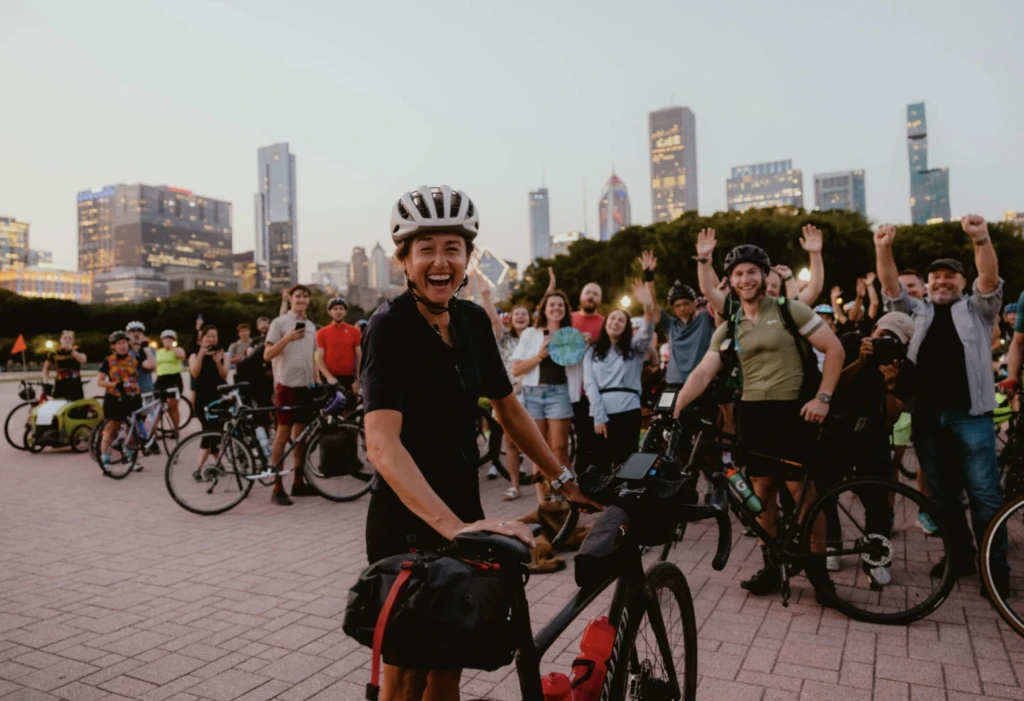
[(720, 502), (571, 519)]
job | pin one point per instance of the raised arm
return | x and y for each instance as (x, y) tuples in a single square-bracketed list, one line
[(857, 310), (834, 296), (492, 313), (885, 264), (812, 242), (648, 263), (984, 253), (869, 281), (788, 280), (706, 277), (552, 282)]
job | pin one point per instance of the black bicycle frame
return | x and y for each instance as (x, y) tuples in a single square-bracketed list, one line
[(245, 414), (630, 581)]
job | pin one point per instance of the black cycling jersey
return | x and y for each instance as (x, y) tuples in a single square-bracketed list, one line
[(408, 368)]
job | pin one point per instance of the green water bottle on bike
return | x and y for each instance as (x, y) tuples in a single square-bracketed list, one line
[(743, 491)]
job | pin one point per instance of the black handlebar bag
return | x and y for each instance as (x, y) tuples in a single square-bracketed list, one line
[(429, 611)]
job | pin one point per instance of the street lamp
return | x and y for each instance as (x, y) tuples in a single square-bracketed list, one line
[(804, 275), (49, 345), (624, 302)]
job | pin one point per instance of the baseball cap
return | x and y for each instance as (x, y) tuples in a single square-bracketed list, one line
[(948, 264), (902, 325)]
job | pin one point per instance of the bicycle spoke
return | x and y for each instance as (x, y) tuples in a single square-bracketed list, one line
[(207, 474)]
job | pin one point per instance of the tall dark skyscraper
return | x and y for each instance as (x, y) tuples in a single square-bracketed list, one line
[(843, 190), (154, 227), (540, 224), (929, 188), (277, 233), (761, 185), (613, 211), (673, 137)]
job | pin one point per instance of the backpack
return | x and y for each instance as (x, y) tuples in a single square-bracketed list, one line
[(812, 375)]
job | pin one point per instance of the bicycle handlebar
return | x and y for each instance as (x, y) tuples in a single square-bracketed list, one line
[(718, 509)]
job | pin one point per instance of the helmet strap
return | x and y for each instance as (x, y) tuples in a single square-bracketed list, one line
[(433, 307)]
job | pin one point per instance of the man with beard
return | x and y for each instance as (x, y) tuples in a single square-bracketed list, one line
[(588, 322), (953, 397)]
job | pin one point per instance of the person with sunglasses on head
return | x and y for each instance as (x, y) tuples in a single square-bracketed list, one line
[(427, 359)]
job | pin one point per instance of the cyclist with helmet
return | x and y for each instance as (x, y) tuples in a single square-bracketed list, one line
[(147, 359), (338, 351), (119, 376), (169, 358), (828, 315), (427, 358), (778, 407)]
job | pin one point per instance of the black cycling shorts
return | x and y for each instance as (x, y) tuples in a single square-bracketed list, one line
[(119, 409), (390, 524), (166, 382), (775, 428)]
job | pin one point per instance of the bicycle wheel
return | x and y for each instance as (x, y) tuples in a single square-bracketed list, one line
[(648, 674), (122, 460), (339, 469), (16, 424), (185, 412), (95, 440), (1010, 607), (208, 483), (884, 571)]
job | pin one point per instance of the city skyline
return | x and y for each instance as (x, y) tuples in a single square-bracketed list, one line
[(762, 185), (673, 137), (365, 134), (929, 187), (840, 190), (276, 214)]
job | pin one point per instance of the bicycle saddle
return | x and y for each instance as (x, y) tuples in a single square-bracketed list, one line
[(492, 547), (229, 388)]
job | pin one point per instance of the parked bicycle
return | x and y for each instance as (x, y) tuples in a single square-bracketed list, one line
[(148, 429), (18, 423), (213, 471), (880, 578), (1009, 602)]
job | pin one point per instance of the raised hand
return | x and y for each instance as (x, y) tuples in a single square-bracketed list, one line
[(869, 279), (648, 261), (812, 240), (975, 227), (706, 243), (642, 294), (885, 235), (784, 271), (862, 287), (835, 294)]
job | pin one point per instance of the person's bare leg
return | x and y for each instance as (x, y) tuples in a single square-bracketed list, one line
[(172, 411), (299, 453), (767, 491), (558, 439), (109, 431), (818, 531), (538, 483), (277, 450), (514, 461), (443, 685), (400, 684)]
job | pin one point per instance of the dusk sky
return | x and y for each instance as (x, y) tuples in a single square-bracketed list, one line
[(379, 97)]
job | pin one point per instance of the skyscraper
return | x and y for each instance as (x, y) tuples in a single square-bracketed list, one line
[(380, 269), (154, 227), (540, 224), (929, 188), (277, 234), (673, 136), (333, 273), (843, 190), (761, 185), (359, 273), (613, 211), (14, 250)]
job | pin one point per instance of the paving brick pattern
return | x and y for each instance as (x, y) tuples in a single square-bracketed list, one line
[(110, 591)]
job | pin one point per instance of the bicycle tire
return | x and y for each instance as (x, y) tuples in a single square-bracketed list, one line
[(186, 412), (912, 594), (234, 476), (96, 440), (339, 488), (121, 465), (1002, 518), (17, 440), (661, 577)]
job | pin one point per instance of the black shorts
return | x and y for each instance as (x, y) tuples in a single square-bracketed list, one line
[(166, 382), (390, 524), (118, 409), (775, 428)]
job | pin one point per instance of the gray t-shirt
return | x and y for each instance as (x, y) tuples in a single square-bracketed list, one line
[(687, 342), (294, 366)]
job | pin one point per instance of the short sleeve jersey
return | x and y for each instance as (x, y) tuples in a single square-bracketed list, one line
[(408, 368), (771, 362), (123, 369), (66, 365), (293, 367), (339, 342)]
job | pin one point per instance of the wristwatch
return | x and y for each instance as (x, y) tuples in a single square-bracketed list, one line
[(562, 479), (824, 397)]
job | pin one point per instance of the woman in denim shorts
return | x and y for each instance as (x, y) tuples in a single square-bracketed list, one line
[(548, 388)]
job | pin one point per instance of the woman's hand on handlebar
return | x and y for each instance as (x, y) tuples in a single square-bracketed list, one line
[(512, 529), (571, 491)]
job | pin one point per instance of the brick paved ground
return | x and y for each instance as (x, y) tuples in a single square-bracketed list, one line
[(108, 590)]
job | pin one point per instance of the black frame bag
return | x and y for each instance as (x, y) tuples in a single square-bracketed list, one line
[(430, 611)]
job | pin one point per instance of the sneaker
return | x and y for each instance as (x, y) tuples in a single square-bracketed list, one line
[(492, 473), (304, 490), (197, 475), (832, 562), (280, 498), (766, 581), (960, 570), (927, 524), (154, 450), (1001, 581), (511, 494)]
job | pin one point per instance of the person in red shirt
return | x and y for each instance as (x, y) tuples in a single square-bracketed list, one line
[(338, 351), (588, 322)]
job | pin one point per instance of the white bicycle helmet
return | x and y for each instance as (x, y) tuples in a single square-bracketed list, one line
[(135, 326), (169, 333), (434, 209)]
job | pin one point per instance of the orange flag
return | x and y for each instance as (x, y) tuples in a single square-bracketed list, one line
[(19, 345)]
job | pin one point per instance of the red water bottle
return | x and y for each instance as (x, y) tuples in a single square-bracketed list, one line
[(589, 669), (556, 687)]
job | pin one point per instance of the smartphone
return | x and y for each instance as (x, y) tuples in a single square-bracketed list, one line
[(199, 318), (300, 326), (637, 466)]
